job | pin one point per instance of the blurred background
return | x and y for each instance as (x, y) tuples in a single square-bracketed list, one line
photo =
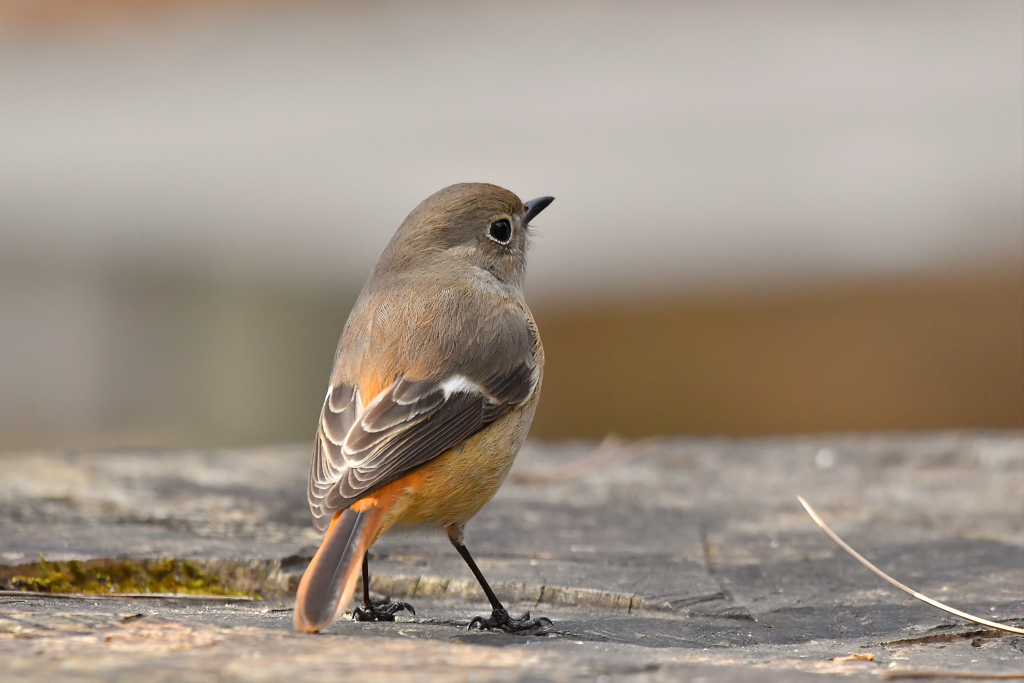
[(771, 217)]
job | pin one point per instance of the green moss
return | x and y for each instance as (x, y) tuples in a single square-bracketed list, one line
[(122, 576)]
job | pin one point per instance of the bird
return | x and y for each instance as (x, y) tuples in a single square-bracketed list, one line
[(434, 386)]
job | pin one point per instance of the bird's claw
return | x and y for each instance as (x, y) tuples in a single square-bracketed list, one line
[(501, 620), (381, 611)]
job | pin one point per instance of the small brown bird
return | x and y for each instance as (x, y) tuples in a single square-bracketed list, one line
[(434, 386)]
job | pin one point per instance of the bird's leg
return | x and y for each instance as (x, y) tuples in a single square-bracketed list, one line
[(380, 611), (499, 616)]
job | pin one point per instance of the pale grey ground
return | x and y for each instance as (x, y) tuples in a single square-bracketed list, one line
[(656, 560)]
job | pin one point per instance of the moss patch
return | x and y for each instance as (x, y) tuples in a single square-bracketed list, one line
[(120, 576)]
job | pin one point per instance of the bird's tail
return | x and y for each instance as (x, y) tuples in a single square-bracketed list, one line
[(329, 581)]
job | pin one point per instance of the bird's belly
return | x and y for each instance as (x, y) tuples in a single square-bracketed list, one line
[(453, 487)]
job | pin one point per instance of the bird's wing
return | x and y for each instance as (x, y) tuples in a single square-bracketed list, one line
[(358, 450)]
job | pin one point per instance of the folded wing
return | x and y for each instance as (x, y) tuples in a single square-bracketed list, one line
[(360, 449)]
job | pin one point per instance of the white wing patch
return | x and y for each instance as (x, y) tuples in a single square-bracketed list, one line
[(457, 383)]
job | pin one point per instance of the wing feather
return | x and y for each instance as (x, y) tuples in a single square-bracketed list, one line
[(357, 451)]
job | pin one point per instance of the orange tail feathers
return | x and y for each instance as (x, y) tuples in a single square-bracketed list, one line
[(331, 577)]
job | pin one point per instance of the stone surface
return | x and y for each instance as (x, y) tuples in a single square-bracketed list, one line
[(656, 560)]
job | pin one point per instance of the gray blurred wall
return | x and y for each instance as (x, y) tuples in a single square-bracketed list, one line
[(189, 201)]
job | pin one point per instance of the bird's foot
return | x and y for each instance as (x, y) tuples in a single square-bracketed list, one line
[(381, 611), (500, 619)]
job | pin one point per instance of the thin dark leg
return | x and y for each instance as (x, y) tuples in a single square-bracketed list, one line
[(367, 603), (381, 611), (491, 597), (499, 616)]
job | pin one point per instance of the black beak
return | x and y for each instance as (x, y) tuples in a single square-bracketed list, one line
[(535, 206)]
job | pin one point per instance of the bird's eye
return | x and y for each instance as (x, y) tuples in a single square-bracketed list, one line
[(500, 231)]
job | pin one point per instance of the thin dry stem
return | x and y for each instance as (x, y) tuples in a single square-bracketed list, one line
[(909, 591)]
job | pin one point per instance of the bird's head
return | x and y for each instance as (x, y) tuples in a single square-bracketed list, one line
[(482, 225)]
